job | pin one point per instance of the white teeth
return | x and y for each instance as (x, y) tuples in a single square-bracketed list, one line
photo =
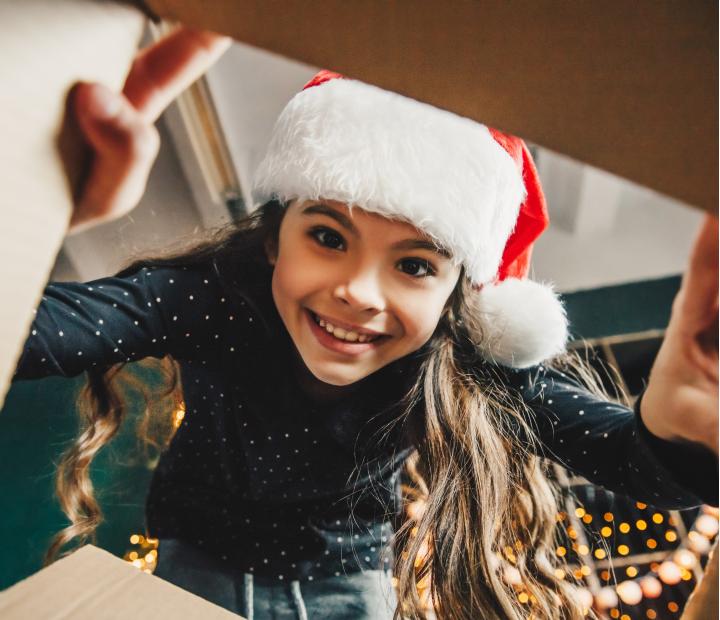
[(343, 334)]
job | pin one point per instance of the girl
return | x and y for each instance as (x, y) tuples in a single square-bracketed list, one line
[(372, 312)]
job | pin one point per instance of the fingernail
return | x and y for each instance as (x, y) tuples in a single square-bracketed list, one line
[(104, 104)]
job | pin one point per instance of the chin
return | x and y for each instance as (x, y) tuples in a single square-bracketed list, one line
[(337, 379)]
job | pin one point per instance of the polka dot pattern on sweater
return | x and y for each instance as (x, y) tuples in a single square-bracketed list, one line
[(270, 480)]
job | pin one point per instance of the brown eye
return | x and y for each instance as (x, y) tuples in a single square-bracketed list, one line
[(416, 267), (327, 238)]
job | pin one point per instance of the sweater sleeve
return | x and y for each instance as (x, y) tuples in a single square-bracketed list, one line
[(151, 312), (608, 444)]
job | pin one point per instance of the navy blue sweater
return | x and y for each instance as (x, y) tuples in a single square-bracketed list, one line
[(278, 483)]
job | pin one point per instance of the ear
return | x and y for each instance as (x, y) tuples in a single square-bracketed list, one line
[(271, 251)]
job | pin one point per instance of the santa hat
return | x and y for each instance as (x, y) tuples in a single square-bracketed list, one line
[(472, 189)]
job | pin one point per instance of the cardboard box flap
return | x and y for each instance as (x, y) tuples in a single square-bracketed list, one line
[(92, 583), (629, 87), (46, 46)]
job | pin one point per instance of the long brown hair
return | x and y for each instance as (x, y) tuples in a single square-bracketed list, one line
[(487, 504), (484, 490)]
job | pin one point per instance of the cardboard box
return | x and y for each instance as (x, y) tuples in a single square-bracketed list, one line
[(45, 47), (92, 583), (629, 87)]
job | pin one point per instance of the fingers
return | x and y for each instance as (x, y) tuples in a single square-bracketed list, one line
[(124, 148), (110, 124), (700, 283), (163, 70)]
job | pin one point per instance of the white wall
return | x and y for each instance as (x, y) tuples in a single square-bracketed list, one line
[(165, 215)]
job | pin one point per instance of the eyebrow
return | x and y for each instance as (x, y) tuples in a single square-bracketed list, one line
[(345, 222)]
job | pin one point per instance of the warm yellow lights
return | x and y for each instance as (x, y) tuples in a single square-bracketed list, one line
[(178, 416), (670, 536), (651, 543), (658, 518), (685, 558), (629, 592), (631, 571), (600, 554), (561, 551), (623, 549), (640, 505), (579, 513), (641, 525), (670, 572), (583, 550), (624, 528), (606, 531), (608, 516)]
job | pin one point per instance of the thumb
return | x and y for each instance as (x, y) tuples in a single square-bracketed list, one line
[(107, 120)]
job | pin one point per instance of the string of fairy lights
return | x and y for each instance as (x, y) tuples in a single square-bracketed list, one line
[(618, 558)]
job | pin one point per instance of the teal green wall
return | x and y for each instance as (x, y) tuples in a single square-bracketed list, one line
[(36, 424), (622, 309)]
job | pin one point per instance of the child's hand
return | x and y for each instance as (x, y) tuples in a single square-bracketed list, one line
[(681, 401), (119, 126)]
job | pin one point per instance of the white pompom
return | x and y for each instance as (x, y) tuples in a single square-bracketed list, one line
[(524, 323)]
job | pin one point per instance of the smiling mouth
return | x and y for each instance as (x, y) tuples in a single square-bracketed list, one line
[(345, 335)]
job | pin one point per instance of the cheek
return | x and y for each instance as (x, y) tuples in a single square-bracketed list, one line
[(419, 318), (297, 280)]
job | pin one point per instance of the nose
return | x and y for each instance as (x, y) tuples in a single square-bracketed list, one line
[(362, 291)]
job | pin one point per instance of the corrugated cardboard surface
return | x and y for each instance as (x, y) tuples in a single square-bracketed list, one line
[(630, 87), (45, 46), (92, 583)]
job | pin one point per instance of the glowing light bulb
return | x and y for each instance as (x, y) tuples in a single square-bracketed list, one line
[(669, 572), (685, 558), (650, 586), (606, 598), (629, 592), (586, 597), (707, 525), (511, 575), (698, 543)]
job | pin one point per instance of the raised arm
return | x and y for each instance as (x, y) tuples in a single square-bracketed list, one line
[(609, 444), (151, 312)]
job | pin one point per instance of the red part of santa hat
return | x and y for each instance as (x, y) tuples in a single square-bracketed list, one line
[(532, 218), (473, 189)]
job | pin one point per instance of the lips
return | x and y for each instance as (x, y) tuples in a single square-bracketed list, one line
[(339, 339), (341, 329)]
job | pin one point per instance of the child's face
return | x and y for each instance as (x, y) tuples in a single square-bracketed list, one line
[(378, 284)]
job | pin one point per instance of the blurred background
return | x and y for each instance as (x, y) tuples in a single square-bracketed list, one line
[(615, 251)]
